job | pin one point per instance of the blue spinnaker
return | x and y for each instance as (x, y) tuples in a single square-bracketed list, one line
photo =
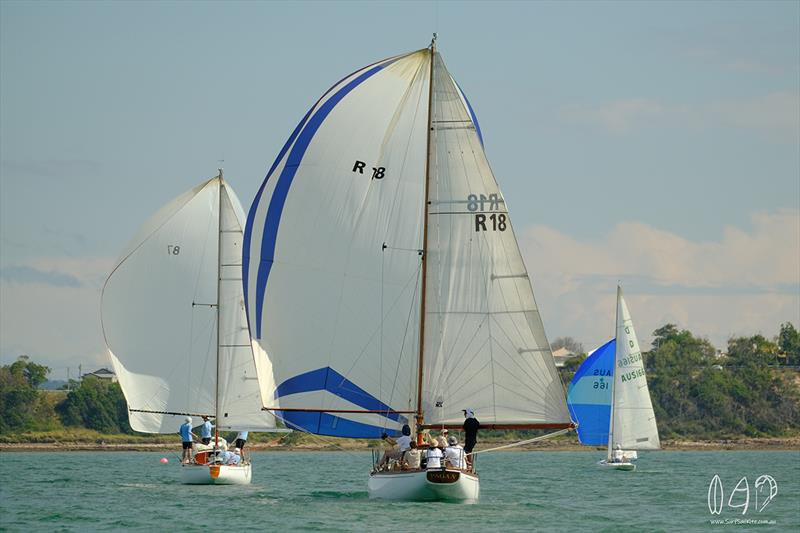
[(589, 395)]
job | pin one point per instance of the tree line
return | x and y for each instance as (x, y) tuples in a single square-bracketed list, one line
[(92, 403), (752, 389)]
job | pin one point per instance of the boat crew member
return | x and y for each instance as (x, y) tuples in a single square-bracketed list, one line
[(403, 443), (235, 458), (205, 431), (434, 457), (229, 458), (471, 427), (617, 456), (413, 458), (241, 439), (186, 436), (454, 454)]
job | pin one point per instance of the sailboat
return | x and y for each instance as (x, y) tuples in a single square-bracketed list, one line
[(609, 398), (589, 395), (383, 277), (173, 319)]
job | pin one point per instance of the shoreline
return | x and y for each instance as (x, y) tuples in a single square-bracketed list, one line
[(745, 444)]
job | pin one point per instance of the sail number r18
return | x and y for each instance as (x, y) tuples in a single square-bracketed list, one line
[(484, 222)]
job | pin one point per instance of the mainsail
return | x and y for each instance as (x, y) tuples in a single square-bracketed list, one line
[(633, 424), (589, 395), (159, 316), (334, 258)]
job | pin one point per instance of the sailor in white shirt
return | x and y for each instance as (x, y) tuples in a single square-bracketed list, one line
[(434, 456), (412, 457), (617, 456), (454, 454), (403, 443)]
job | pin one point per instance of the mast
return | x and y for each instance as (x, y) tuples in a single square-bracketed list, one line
[(219, 283), (614, 377), (420, 360)]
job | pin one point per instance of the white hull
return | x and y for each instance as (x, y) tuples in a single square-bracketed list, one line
[(617, 466), (193, 474), (447, 485)]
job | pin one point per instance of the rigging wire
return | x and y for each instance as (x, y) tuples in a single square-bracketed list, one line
[(523, 442), (320, 439)]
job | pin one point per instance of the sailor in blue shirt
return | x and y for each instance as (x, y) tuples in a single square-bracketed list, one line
[(205, 431), (186, 437)]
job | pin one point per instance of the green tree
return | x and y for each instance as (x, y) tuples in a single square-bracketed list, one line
[(699, 393), (33, 374), (789, 343), (19, 398), (96, 404), (570, 367)]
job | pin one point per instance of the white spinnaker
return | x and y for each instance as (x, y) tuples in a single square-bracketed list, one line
[(332, 296), (485, 345), (634, 422), (158, 313), (239, 391)]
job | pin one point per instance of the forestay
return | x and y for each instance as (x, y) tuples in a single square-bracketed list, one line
[(589, 395), (159, 317), (634, 422)]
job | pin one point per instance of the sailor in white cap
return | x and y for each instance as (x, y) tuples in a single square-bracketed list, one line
[(471, 427)]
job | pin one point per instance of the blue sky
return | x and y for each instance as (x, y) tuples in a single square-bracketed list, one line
[(653, 142)]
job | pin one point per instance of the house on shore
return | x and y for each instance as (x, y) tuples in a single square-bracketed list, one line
[(103, 373), (561, 356)]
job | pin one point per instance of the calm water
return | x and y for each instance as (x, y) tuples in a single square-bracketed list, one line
[(521, 491)]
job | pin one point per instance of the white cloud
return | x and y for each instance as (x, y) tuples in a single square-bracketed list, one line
[(776, 114), (745, 283), (619, 116)]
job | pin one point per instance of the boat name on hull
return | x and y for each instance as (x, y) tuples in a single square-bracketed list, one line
[(442, 476)]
